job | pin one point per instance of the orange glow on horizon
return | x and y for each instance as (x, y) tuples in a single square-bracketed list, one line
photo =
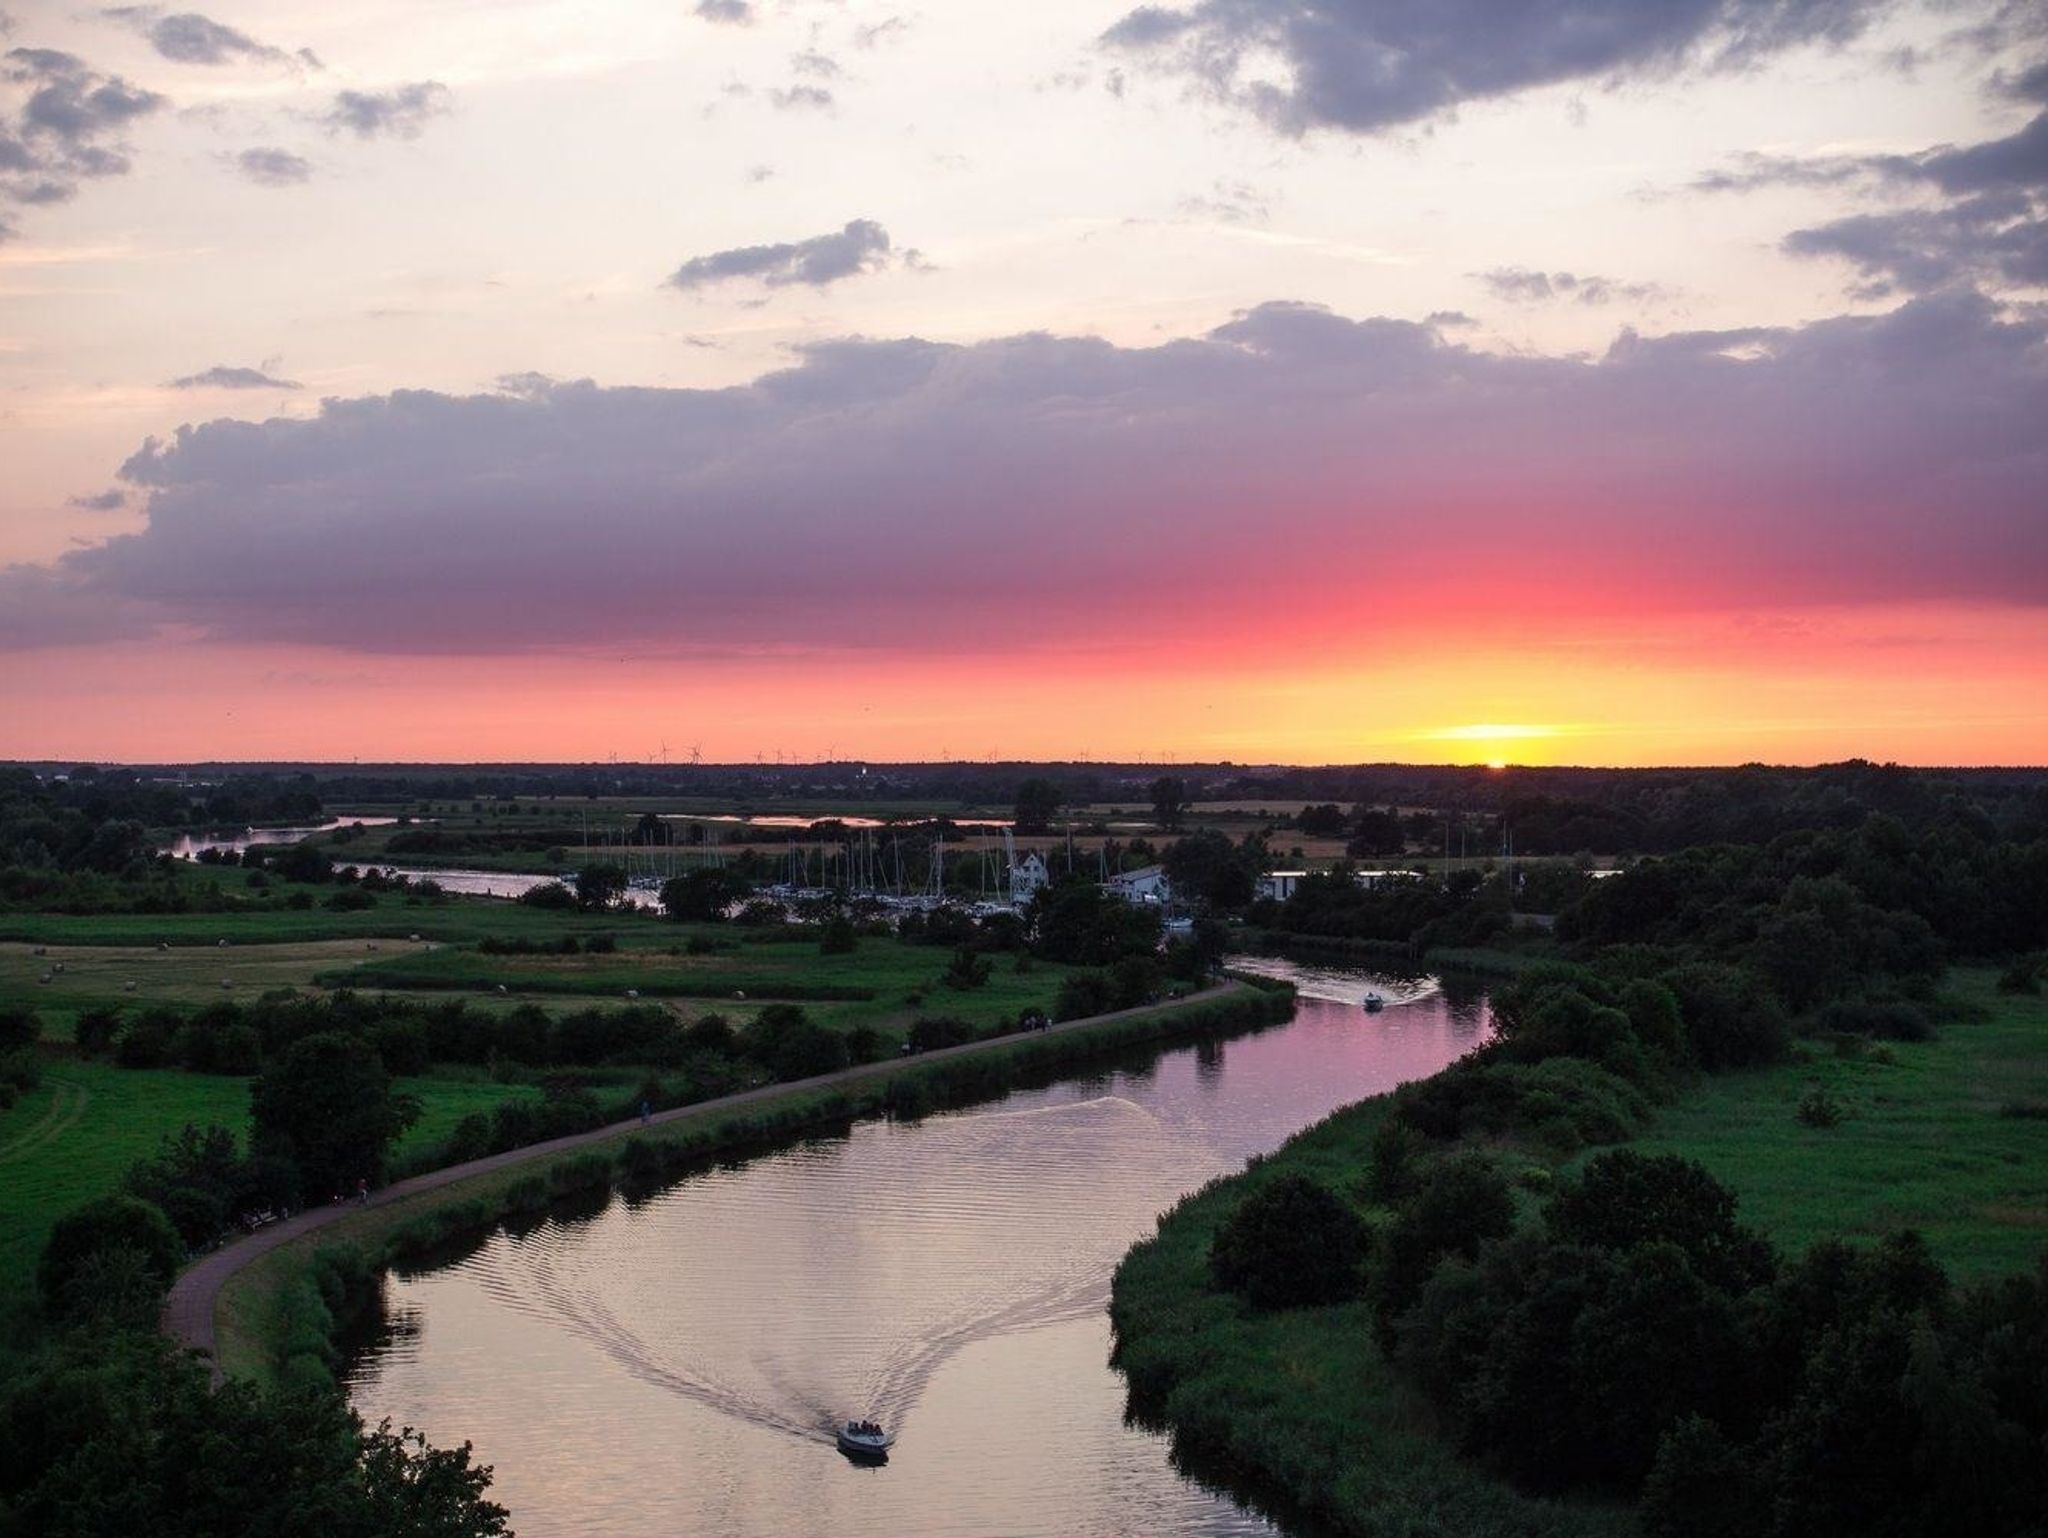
[(1920, 686)]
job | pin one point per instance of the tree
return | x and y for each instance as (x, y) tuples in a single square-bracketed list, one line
[(1075, 921), (1375, 834), (19, 1027), (1625, 1199), (790, 1045), (1038, 799), (327, 1104), (1324, 820), (84, 1242), (1290, 1244), (1465, 1202), (600, 886), (1170, 804), (1206, 868), (704, 895)]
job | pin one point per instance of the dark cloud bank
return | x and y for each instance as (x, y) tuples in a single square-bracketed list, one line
[(1363, 66), (874, 493)]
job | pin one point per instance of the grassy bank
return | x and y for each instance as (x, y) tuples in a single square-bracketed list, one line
[(262, 1311), (1298, 1408), (1949, 1136)]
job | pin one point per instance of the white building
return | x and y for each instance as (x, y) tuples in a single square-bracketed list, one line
[(1147, 884), (1026, 877), (1278, 884)]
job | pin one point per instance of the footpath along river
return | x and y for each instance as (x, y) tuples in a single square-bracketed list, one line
[(674, 1364)]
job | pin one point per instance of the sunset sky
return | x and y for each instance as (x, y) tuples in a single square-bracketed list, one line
[(1578, 381)]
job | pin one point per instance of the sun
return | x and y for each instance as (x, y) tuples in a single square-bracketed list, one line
[(1493, 743)]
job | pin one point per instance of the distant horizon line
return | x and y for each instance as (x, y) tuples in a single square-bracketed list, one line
[(1162, 765)]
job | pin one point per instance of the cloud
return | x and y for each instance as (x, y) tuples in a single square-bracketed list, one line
[(874, 34), (862, 246), (61, 124), (399, 113), (874, 493), (807, 97), (111, 500), (1370, 65), (273, 167), (733, 13), (1521, 285), (223, 377), (1990, 227), (1228, 202), (189, 38), (816, 65)]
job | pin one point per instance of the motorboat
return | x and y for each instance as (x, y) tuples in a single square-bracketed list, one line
[(865, 1439), (1373, 1003)]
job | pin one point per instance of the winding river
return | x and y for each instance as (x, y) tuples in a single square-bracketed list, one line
[(674, 1364)]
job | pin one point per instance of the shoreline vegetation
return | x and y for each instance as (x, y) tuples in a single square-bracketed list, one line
[(1304, 1413), (271, 1306)]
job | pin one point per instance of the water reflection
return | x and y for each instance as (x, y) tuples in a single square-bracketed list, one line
[(675, 1363)]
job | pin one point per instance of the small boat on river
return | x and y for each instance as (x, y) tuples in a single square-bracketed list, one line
[(1373, 1003), (866, 1440)]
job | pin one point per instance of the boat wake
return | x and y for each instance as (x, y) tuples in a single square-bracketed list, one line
[(834, 1279)]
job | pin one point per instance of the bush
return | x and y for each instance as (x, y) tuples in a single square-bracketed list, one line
[(1464, 1202), (928, 1033), (967, 970), (1625, 1198), (149, 1039), (1891, 1020), (549, 895), (95, 1030), (1818, 1107), (790, 1045), (1731, 1020), (84, 1242), (1083, 994), (1292, 1243), (19, 1027)]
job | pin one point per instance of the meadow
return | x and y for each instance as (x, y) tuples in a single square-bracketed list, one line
[(1948, 1136)]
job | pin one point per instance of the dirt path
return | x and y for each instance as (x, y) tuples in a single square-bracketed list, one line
[(189, 1311), (67, 1104)]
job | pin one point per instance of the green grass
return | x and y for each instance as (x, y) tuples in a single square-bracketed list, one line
[(883, 983), (1927, 1142), (73, 1138)]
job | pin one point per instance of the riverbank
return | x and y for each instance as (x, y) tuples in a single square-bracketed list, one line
[(1946, 1135), (246, 1305), (1297, 1410)]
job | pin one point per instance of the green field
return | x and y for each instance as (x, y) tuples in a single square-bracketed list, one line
[(74, 1138), (1948, 1136), (883, 982)]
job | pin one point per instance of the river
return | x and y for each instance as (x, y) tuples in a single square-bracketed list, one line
[(674, 1364)]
